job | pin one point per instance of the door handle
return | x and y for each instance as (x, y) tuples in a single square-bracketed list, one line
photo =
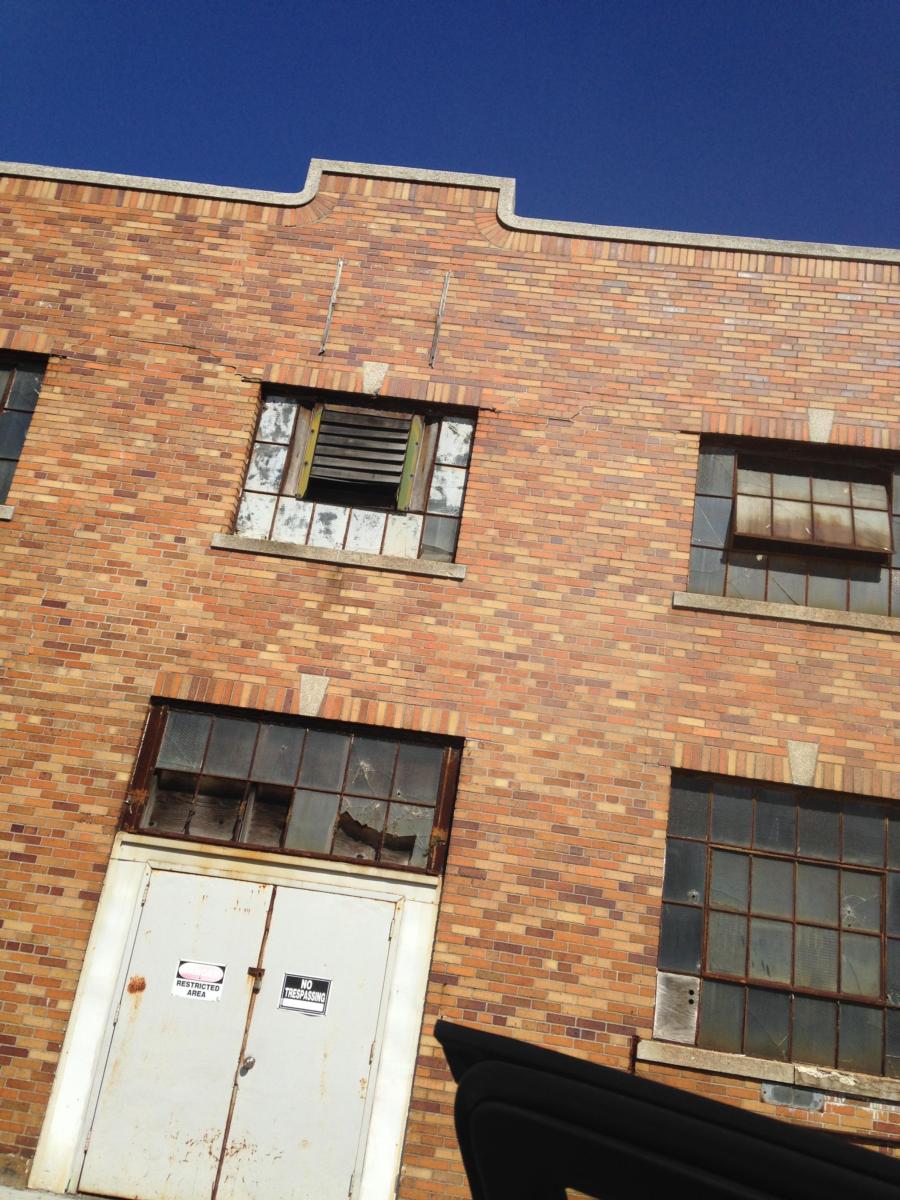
[(248, 1064)]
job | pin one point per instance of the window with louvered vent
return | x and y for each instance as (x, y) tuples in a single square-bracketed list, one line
[(345, 476)]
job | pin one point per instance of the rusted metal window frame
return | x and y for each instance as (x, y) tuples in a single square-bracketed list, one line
[(139, 791), (775, 555), (792, 991)]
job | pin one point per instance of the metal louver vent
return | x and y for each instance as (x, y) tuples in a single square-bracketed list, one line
[(360, 447)]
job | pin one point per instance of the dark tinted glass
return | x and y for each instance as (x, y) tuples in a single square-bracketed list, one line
[(819, 829), (892, 1045), (815, 1031), (711, 519), (13, 428), (859, 1039), (815, 963), (730, 883), (746, 578), (689, 806), (721, 1017), (7, 470), (775, 822), (324, 760), (864, 830), (681, 934), (230, 747), (787, 581), (311, 825), (773, 887), (768, 1024), (770, 950), (418, 773), (732, 813), (726, 944), (277, 754), (893, 903), (715, 472), (861, 965), (707, 571), (685, 877), (184, 741), (817, 894), (25, 389)]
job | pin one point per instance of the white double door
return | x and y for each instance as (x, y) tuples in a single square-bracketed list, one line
[(244, 1044)]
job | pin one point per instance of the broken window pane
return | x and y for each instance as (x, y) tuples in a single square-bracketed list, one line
[(860, 900), (726, 944), (773, 887), (324, 760), (371, 767), (859, 1039), (791, 519), (815, 1031), (819, 832), (730, 882), (266, 465), (277, 753), (170, 804), (407, 835), (715, 472), (746, 576), (817, 894), (787, 580), (864, 834), (418, 774), (732, 812), (311, 824), (447, 484), (216, 808), (292, 521), (770, 950), (768, 1024), (254, 517), (681, 934), (689, 805), (860, 964), (454, 442), (685, 875), (268, 813), (231, 747), (277, 421), (359, 828), (707, 571), (815, 964), (712, 516), (721, 1017), (184, 741), (439, 539), (775, 825)]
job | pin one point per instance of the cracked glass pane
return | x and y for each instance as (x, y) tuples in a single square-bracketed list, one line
[(685, 873), (26, 386), (311, 823), (892, 1045), (712, 516), (787, 580), (860, 900), (407, 835), (371, 767), (439, 539), (730, 882), (746, 576), (768, 1024), (170, 805), (892, 983)]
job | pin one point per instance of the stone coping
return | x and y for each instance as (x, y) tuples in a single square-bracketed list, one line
[(506, 203), (786, 612), (343, 558), (821, 1079), (7, 511)]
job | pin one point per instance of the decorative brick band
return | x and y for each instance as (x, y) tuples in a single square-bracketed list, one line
[(875, 435), (357, 710), (396, 384)]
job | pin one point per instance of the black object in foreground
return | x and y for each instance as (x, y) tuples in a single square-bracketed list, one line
[(532, 1123)]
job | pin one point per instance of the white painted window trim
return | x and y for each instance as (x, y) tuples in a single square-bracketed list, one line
[(58, 1160), (822, 1079)]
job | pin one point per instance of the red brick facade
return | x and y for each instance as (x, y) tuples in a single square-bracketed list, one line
[(594, 366)]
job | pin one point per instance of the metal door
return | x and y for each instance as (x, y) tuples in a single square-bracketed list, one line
[(300, 1104), (160, 1119)]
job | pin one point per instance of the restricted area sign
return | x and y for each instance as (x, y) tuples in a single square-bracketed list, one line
[(305, 994), (198, 980)]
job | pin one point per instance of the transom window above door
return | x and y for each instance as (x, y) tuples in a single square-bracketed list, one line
[(277, 784)]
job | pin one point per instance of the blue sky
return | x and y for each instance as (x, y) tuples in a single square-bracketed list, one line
[(775, 118)]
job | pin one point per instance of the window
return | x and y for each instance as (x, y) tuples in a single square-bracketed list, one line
[(781, 906), (790, 525), (350, 477), (20, 383), (293, 786)]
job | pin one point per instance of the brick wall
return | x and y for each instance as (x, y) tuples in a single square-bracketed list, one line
[(594, 365)]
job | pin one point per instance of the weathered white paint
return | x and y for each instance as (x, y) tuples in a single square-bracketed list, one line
[(61, 1147)]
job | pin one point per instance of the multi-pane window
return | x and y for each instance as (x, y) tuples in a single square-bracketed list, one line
[(349, 477), (782, 526), (784, 906), (20, 383), (287, 785)]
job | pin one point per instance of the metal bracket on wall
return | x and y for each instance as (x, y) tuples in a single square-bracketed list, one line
[(439, 320), (331, 304)]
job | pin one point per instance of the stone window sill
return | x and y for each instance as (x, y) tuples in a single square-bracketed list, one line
[(821, 1079), (6, 512), (786, 612), (344, 558)]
